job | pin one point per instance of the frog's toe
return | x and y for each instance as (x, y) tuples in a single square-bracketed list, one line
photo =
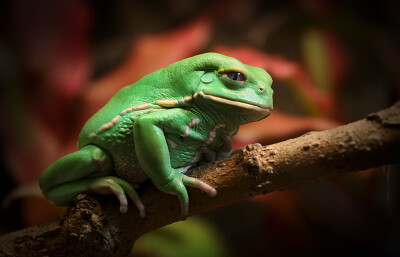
[(136, 200), (177, 187), (107, 186), (184, 207), (123, 208), (119, 187), (197, 183), (133, 196)]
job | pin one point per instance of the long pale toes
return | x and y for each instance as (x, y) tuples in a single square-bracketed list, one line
[(123, 208), (197, 183), (120, 193), (212, 192), (130, 191), (120, 188), (109, 186), (135, 199), (184, 208)]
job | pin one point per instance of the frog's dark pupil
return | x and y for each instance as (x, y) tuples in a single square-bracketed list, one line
[(236, 76)]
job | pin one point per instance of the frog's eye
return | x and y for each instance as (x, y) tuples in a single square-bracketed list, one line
[(237, 76)]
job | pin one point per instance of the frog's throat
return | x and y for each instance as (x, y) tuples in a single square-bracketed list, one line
[(232, 102)]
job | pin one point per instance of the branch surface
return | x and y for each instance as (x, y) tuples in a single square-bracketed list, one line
[(97, 228)]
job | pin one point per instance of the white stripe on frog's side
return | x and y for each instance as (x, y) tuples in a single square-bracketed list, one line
[(186, 99), (204, 149), (197, 94), (114, 121), (167, 103), (192, 123), (139, 107), (162, 103), (174, 103)]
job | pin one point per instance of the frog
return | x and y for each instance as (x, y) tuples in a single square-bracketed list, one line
[(157, 128)]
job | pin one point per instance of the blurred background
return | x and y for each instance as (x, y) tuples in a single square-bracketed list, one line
[(332, 62)]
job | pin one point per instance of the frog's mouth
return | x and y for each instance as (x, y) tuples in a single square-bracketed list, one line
[(234, 103)]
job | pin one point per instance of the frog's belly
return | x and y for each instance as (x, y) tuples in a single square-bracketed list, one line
[(127, 167)]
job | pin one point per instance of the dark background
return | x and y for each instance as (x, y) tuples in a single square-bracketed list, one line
[(61, 60)]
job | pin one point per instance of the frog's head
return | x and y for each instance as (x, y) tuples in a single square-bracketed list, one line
[(231, 86)]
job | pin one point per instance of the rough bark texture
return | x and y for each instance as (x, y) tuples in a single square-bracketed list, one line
[(95, 227)]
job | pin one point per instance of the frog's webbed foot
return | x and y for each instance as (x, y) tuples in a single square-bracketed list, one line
[(177, 187), (120, 188)]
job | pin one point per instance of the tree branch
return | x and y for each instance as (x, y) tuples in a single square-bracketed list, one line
[(97, 228)]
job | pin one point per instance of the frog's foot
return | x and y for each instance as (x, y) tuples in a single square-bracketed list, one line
[(177, 187), (118, 187)]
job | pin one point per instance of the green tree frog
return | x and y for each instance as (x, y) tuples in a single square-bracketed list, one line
[(159, 127)]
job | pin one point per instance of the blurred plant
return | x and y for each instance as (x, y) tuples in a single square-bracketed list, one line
[(194, 237)]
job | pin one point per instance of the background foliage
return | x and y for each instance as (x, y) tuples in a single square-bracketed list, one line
[(332, 62)]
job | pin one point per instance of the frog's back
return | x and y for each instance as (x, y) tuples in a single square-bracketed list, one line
[(130, 101)]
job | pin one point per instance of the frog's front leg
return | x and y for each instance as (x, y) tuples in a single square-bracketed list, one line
[(85, 171), (154, 157)]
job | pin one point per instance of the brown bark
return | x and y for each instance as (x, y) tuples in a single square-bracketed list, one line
[(97, 228)]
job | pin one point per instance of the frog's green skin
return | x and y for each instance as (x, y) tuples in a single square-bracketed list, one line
[(160, 126)]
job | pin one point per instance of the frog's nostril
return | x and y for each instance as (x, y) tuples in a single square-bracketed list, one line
[(261, 89)]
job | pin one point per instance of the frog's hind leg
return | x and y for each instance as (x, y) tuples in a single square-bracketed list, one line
[(86, 170), (88, 161)]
